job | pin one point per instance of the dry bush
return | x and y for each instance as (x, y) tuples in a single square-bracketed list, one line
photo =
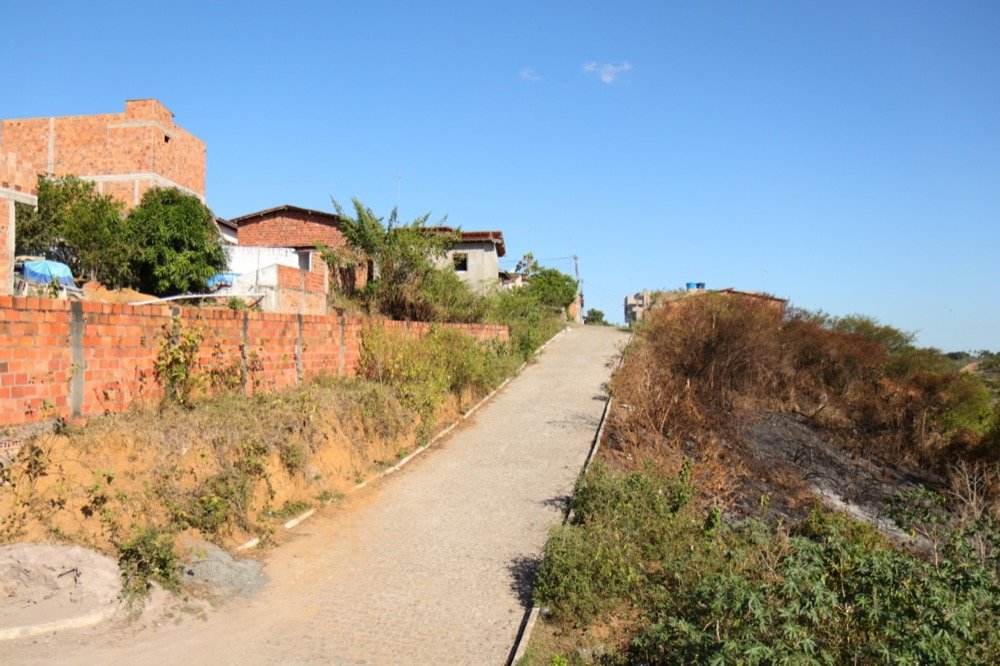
[(699, 364)]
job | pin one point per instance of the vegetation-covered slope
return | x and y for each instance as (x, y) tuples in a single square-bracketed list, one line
[(703, 536)]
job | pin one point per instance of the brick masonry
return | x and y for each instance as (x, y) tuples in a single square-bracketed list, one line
[(301, 291), (290, 227), (66, 359), (18, 181), (125, 153), (299, 228)]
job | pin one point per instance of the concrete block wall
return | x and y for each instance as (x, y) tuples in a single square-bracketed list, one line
[(67, 359), (126, 154)]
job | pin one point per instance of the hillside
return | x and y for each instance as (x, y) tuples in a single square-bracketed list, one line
[(776, 484)]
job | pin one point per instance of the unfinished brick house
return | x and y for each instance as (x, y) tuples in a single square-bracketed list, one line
[(126, 154)]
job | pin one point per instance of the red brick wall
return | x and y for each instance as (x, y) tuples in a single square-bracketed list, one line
[(142, 140), (112, 368), (16, 173), (17, 180), (303, 292), (290, 229)]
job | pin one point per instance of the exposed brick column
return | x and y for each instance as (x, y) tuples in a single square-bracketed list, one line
[(18, 182), (6, 247)]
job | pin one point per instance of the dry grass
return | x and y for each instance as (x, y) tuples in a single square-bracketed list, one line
[(700, 367)]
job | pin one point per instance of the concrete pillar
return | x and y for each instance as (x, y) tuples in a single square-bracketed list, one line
[(77, 323)]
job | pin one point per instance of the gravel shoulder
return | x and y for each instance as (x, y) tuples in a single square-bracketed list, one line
[(432, 565)]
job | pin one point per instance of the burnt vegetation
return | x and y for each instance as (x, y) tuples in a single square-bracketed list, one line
[(782, 486), (700, 369)]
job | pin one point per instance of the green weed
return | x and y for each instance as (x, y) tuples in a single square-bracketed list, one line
[(147, 555)]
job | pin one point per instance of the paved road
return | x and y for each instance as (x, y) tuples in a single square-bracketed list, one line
[(430, 566)]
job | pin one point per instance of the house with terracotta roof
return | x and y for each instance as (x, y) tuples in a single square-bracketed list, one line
[(274, 255), (476, 257), (289, 226)]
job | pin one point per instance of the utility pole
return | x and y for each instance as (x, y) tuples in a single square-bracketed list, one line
[(579, 300)]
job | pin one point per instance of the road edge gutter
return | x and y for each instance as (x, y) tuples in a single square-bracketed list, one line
[(531, 615)]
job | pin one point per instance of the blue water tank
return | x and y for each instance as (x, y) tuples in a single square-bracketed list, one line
[(691, 285), (699, 285)]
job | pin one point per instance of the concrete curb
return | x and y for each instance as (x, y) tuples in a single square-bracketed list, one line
[(78, 622), (531, 616), (420, 449)]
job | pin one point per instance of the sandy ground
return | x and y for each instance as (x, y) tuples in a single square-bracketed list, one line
[(433, 565), (44, 584)]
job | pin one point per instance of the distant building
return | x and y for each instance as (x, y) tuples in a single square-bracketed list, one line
[(638, 305), (227, 230), (276, 255), (289, 226)]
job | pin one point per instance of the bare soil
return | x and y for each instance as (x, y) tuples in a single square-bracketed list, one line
[(90, 487), (46, 583)]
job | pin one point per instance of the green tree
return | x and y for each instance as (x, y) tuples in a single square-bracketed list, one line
[(177, 245), (403, 279), (75, 225), (595, 317), (551, 287)]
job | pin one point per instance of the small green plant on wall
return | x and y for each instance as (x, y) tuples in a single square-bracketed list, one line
[(176, 363)]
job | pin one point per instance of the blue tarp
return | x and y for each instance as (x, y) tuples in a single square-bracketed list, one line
[(220, 280), (43, 271)]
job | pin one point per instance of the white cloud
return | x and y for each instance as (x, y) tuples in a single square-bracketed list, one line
[(529, 74), (606, 72)]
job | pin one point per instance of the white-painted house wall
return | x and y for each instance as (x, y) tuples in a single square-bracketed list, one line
[(245, 259)]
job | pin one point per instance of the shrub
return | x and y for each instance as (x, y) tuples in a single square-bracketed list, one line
[(393, 359), (219, 501), (425, 370), (530, 322), (831, 590), (698, 362), (293, 456), (620, 522), (833, 597), (147, 555), (177, 245), (175, 367)]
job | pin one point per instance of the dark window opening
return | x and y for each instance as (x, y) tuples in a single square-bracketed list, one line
[(461, 261), (166, 139)]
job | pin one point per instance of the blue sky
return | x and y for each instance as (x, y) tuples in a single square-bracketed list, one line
[(845, 155)]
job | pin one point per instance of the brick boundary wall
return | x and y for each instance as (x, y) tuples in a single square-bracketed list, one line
[(62, 359)]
